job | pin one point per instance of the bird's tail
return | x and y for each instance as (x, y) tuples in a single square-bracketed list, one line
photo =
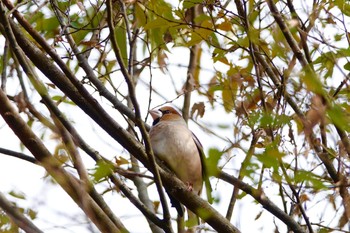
[(175, 203)]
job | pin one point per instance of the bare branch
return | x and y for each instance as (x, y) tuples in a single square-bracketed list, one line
[(18, 155)]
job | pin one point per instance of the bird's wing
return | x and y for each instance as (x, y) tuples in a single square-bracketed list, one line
[(204, 168)]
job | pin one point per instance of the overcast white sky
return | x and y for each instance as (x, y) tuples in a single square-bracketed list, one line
[(55, 207)]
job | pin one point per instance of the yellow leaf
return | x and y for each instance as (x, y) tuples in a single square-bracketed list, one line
[(229, 91), (121, 161), (225, 26)]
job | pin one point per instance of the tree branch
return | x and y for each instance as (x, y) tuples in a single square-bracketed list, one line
[(77, 85), (138, 121), (17, 217), (53, 167), (260, 197), (14, 121), (192, 66), (18, 155), (196, 204), (241, 174), (88, 104)]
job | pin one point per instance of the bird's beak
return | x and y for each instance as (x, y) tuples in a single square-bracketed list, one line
[(155, 113)]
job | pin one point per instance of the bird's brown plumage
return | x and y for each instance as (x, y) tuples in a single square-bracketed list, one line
[(176, 145), (172, 142)]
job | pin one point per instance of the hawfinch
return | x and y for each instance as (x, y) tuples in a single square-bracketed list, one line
[(179, 148)]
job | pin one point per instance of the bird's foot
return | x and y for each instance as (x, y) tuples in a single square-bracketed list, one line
[(189, 186)]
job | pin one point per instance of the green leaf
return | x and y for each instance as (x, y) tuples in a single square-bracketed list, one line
[(32, 214), (270, 157), (159, 23), (338, 37), (266, 120), (344, 6), (339, 117), (214, 156), (79, 35), (63, 99), (347, 66), (18, 195), (312, 81), (188, 4), (202, 33), (220, 55), (102, 170), (250, 169), (120, 34), (140, 14), (310, 178)]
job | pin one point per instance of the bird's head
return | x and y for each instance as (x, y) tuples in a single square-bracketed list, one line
[(164, 113)]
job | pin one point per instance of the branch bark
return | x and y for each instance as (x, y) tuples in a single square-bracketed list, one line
[(16, 216), (259, 196), (78, 94), (53, 167)]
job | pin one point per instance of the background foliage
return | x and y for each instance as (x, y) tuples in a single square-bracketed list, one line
[(263, 84)]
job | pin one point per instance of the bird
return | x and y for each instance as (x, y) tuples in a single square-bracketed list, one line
[(175, 144)]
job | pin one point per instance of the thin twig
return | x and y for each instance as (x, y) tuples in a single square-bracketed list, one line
[(259, 196), (18, 155), (68, 182), (336, 176), (138, 121), (241, 174), (192, 67), (74, 81), (93, 212)]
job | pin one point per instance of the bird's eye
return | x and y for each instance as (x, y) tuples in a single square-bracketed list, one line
[(165, 112)]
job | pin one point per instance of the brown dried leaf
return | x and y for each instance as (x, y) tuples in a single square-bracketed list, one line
[(315, 114), (331, 199), (161, 60), (211, 89), (21, 102), (297, 210), (199, 108), (156, 205), (90, 43), (167, 37), (121, 161), (230, 88), (259, 215), (225, 26), (51, 85), (248, 104), (304, 197)]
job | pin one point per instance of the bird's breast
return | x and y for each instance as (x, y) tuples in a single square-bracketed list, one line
[(171, 140), (173, 143)]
